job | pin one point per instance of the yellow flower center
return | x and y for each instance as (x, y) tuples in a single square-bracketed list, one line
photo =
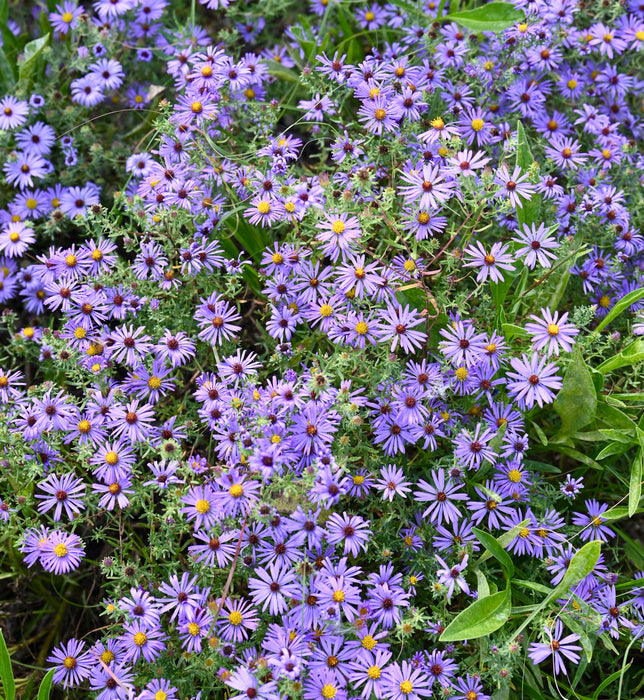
[(639, 35), (160, 695), (523, 27), (111, 458), (524, 532), (409, 265), (235, 618), (413, 580), (28, 332), (84, 427), (290, 207), (60, 550), (606, 154), (358, 480), (361, 328), (338, 227), (277, 258), (423, 217), (31, 203), (553, 329), (249, 93), (70, 260), (380, 114), (572, 84), (477, 124), (461, 374), (338, 596), (488, 65), (236, 490), (206, 71), (604, 301), (97, 255), (514, 475), (596, 521), (154, 382), (193, 629), (69, 663), (67, 17), (140, 639), (325, 310), (196, 107), (406, 687), (368, 642), (202, 506), (471, 695), (489, 259), (263, 207), (438, 123), (328, 691), (79, 333), (369, 16), (107, 656), (373, 672)]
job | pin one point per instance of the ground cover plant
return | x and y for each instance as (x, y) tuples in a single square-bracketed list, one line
[(322, 359)]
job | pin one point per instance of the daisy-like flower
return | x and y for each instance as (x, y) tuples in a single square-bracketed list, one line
[(216, 317), (236, 619), (158, 689), (557, 648), (514, 187), (593, 522), (407, 682), (427, 186), (62, 552), (379, 114), (62, 493), (129, 346), (551, 332), (392, 483), (13, 112), (15, 238), (397, 324), (272, 586), (462, 345), (467, 162), (176, 348), (350, 529), (264, 210), (532, 381), (490, 263), (452, 576), (202, 507), (536, 244), (564, 151), (72, 663), (440, 495), (86, 91), (140, 640), (337, 235), (21, 171)]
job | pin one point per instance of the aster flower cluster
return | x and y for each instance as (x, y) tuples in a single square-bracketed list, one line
[(299, 392)]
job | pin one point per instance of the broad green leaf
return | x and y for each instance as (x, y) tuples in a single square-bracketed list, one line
[(576, 402), (6, 672), (620, 306), (483, 617), (510, 331), (493, 17), (540, 588), (503, 540), (629, 356), (494, 548), (614, 417), (615, 448), (282, 72), (635, 487), (32, 52), (635, 396), (482, 585), (543, 439), (582, 563), (45, 685), (542, 466), (576, 454)]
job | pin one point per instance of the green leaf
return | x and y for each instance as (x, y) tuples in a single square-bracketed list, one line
[(629, 356), (482, 587), (615, 448), (582, 563), (493, 17), (510, 331), (32, 52), (483, 617), (6, 672), (45, 685), (614, 417), (540, 588), (635, 486), (494, 548), (606, 682), (621, 305), (282, 72), (7, 79), (503, 540), (543, 439), (576, 402), (579, 456)]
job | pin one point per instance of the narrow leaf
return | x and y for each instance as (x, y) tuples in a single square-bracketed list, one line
[(45, 685), (582, 563), (6, 672), (620, 306), (494, 548), (483, 617), (635, 486), (32, 52), (493, 17), (629, 356)]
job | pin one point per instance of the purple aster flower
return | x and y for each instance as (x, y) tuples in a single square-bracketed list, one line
[(150, 262), (572, 486), (65, 17), (21, 171), (351, 529), (406, 682), (557, 647), (115, 493), (132, 422), (62, 552), (108, 73), (490, 263), (427, 187), (236, 619), (515, 187), (216, 551), (453, 576), (396, 325), (272, 586), (193, 627), (239, 366), (392, 483), (202, 506), (469, 688), (249, 687), (386, 604), (338, 233), (129, 345), (439, 495), (551, 332), (304, 528), (471, 449), (141, 606), (536, 244), (380, 114), (114, 683), (158, 688), (183, 594), (72, 663), (86, 91), (462, 345), (324, 685), (13, 112), (61, 492), (338, 592), (533, 381), (149, 386), (593, 522), (15, 239), (140, 640), (112, 461), (176, 348)]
